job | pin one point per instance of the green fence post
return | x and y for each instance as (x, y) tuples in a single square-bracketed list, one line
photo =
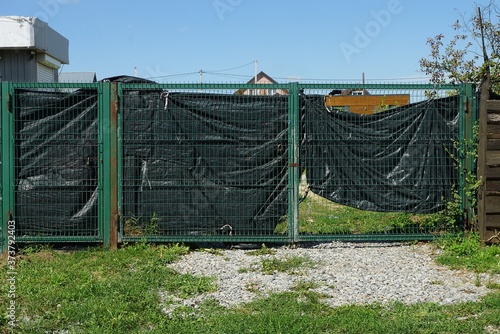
[(103, 114), (113, 166), (108, 111), (118, 96), (3, 226), (293, 162), (7, 163)]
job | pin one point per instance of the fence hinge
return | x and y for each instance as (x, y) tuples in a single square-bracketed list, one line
[(9, 102), (467, 105), (117, 103)]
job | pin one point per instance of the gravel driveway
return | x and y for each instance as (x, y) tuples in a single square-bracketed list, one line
[(345, 273)]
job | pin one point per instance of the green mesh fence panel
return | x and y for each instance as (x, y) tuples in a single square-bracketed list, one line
[(203, 163), (55, 166), (374, 171)]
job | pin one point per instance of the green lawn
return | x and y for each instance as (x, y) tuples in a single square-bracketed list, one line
[(99, 291)]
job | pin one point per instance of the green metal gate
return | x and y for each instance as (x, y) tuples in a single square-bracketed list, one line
[(114, 132), (52, 200), (202, 196), (322, 219)]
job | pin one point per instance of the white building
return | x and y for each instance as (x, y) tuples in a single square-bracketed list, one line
[(30, 51)]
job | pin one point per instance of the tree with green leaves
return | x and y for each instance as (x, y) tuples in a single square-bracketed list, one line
[(471, 55)]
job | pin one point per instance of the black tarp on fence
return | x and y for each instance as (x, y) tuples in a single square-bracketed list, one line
[(196, 162), (205, 161), (56, 138), (397, 160)]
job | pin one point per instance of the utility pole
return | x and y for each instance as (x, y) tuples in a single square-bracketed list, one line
[(255, 70), (256, 63), (201, 79)]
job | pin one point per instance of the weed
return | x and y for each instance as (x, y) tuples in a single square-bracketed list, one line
[(213, 251), (291, 265), (135, 226), (477, 281), (186, 285), (465, 150), (243, 270), (493, 286), (303, 286), (34, 248), (262, 251), (252, 287), (461, 246)]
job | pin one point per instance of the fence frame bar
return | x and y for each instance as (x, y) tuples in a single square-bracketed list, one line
[(108, 128), (293, 164), (7, 161)]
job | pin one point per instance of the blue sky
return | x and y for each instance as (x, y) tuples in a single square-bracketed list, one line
[(291, 40)]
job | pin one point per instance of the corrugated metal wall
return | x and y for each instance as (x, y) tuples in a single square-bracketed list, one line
[(22, 66), (16, 65)]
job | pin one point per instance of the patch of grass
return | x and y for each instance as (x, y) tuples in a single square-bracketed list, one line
[(94, 290), (243, 270), (264, 250), (304, 286), (33, 249), (318, 215), (186, 285), (467, 252), (291, 265), (252, 287), (436, 282), (493, 286)]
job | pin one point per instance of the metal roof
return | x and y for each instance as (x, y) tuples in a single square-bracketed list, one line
[(21, 32), (77, 77)]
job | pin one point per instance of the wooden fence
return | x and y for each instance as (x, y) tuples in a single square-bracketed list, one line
[(489, 171)]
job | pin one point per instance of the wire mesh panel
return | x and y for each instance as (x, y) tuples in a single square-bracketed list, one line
[(379, 162), (56, 170), (208, 162)]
